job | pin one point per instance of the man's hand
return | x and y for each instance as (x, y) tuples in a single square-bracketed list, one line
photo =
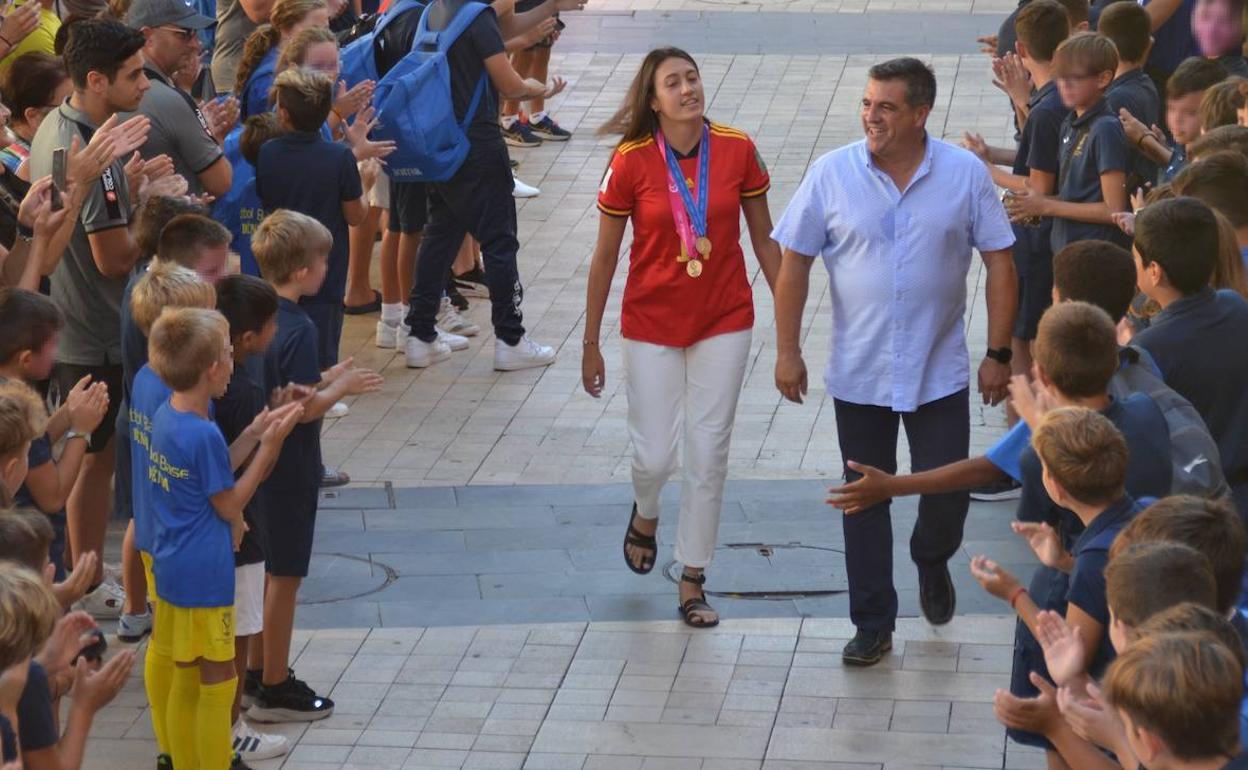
[(873, 488), (96, 689), (791, 376), (1036, 715), (71, 633), (994, 380), (222, 116), (993, 578), (1063, 649), (987, 44), (976, 144), (1045, 544)]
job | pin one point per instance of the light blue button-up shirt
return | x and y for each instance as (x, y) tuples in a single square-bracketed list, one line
[(897, 265)]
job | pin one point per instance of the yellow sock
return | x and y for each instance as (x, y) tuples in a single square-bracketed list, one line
[(216, 747), (158, 679), (181, 722)]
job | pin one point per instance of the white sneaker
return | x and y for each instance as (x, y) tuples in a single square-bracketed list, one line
[(525, 354), (391, 337), (420, 354), (132, 628), (450, 320), (254, 746), (339, 409), (452, 341), (521, 190), (104, 603)]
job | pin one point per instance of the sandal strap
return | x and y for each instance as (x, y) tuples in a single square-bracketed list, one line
[(697, 580), (638, 538)]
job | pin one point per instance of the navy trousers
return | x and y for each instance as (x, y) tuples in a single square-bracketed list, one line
[(939, 433)]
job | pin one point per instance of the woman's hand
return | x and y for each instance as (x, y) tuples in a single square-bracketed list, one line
[(593, 371), (350, 101), (19, 22)]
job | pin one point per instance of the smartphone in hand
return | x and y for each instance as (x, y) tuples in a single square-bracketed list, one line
[(58, 179)]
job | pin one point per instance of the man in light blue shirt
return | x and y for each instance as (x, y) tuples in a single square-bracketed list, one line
[(895, 218)]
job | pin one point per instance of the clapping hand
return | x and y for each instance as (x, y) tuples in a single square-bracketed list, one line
[(1030, 398), (76, 583), (86, 403), (348, 102), (1063, 648), (1093, 720), (976, 144), (994, 579), (357, 137), (1036, 715), (19, 22), (987, 44), (96, 689), (222, 116), (1044, 542), (1009, 75)]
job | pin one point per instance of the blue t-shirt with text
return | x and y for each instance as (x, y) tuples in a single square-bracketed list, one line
[(147, 394), (194, 555)]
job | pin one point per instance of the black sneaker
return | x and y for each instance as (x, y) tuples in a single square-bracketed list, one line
[(937, 598), (472, 283), (459, 301), (513, 163), (1006, 489), (290, 701), (164, 762), (251, 688), (867, 648)]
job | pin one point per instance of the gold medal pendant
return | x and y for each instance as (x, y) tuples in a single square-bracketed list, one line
[(703, 246), (694, 268)]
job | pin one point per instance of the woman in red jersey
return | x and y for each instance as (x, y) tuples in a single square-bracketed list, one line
[(688, 308)]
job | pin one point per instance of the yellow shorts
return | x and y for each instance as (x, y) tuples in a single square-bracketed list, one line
[(197, 632), (148, 575)]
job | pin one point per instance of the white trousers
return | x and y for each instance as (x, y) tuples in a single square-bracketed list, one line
[(690, 394)]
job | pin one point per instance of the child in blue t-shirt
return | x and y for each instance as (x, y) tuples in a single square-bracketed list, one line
[(199, 522), (241, 210), (292, 250)]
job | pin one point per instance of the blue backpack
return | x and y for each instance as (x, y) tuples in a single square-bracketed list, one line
[(415, 109), (359, 57)]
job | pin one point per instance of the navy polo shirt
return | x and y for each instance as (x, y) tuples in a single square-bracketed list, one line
[(234, 411), (1238, 763), (1200, 343), (1149, 471), (1087, 579), (1038, 149), (292, 357), (1136, 92), (1178, 162), (1092, 144), (303, 172)]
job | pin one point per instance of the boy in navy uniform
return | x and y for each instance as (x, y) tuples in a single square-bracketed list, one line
[(302, 171), (1128, 27), (293, 250), (1092, 169), (1041, 27), (1199, 340), (1084, 465)]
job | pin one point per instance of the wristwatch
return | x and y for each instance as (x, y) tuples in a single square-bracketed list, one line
[(1000, 355), (77, 434)]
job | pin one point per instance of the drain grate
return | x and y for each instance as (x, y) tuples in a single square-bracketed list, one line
[(773, 571)]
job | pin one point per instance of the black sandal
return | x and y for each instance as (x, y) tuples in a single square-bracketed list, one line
[(638, 539), (691, 608)]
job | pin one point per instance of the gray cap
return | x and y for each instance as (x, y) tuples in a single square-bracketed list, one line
[(162, 13)]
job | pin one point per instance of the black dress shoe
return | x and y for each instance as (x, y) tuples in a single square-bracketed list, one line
[(936, 594), (867, 647)]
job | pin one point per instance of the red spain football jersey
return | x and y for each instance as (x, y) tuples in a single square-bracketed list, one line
[(662, 304)]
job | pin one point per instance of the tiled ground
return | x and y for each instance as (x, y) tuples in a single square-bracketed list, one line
[(750, 695), (460, 422)]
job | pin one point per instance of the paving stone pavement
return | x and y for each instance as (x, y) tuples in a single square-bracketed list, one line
[(764, 694)]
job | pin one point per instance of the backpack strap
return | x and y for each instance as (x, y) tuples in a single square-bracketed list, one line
[(471, 112), (444, 39), (393, 12)]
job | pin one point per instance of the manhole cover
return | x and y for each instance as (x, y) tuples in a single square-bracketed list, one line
[(773, 571), (336, 577)]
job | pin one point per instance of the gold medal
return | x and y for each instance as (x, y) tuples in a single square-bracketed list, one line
[(703, 246), (694, 268)]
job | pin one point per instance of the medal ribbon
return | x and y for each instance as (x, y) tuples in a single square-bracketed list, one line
[(690, 216)]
